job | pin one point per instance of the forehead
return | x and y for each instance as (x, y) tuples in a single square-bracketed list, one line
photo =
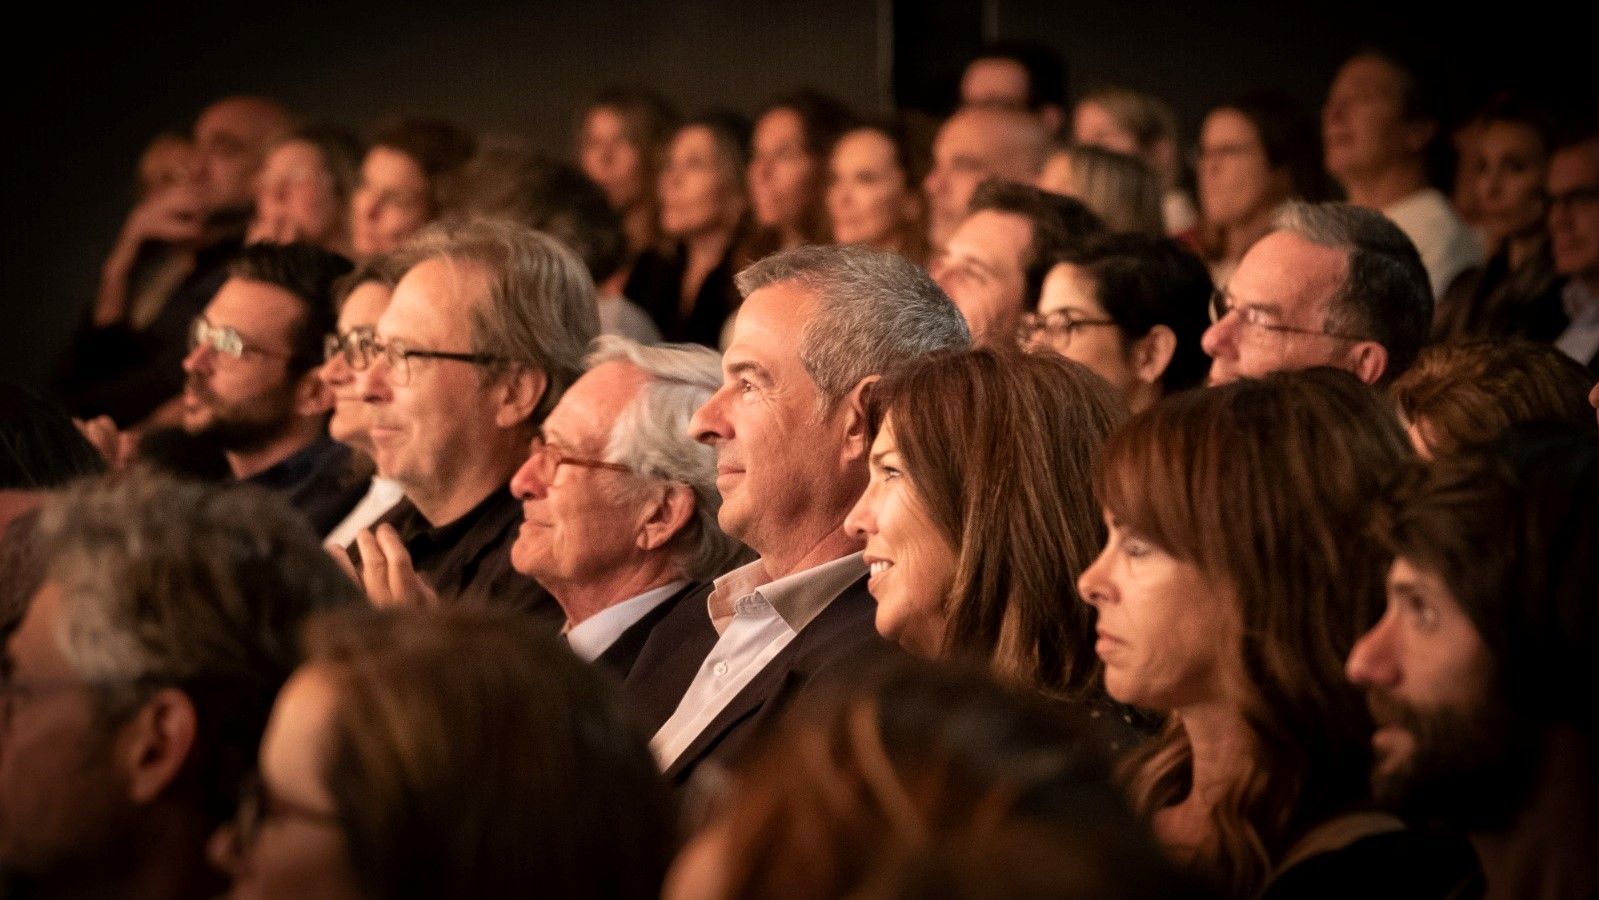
[(434, 303), (1285, 270), (606, 121), (297, 733), (992, 236), (1068, 287), (865, 147), (768, 328), (994, 79), (1574, 167), (32, 648), (779, 126), (1229, 125), (1369, 74), (364, 305), (388, 166), (972, 131), (1509, 137), (589, 407), (294, 153), (257, 310)]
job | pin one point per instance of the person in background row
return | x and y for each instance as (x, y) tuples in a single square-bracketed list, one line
[(406, 165), (139, 681), (787, 174), (1478, 672), (974, 145), (872, 193), (1131, 308), (304, 190), (457, 753), (1255, 154), (1025, 76), (1118, 187), (687, 288), (621, 140), (1573, 191), (1140, 125), (1378, 127), (993, 266), (1465, 395)]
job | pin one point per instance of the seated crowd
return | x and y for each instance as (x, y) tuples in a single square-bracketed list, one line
[(820, 506)]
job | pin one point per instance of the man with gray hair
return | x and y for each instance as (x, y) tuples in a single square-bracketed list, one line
[(486, 329), (818, 327), (619, 504), (1333, 285), (138, 684)]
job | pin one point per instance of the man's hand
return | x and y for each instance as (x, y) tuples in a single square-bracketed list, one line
[(117, 447), (386, 572)]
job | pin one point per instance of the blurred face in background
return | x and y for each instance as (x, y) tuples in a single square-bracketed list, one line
[(295, 198), (611, 158), (869, 198), (1573, 183), (391, 201), (782, 173), (982, 269), (699, 187), (1093, 125), (1363, 124), (1073, 323), (1509, 168), (1236, 181)]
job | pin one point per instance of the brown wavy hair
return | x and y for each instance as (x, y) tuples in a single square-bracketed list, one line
[(1266, 487), (999, 447)]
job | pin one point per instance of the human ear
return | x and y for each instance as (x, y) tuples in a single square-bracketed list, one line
[(857, 439), (153, 746), (666, 516), (312, 396), (1152, 353), (520, 393), (1368, 360)]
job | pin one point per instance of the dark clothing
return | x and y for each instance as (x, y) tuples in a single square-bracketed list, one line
[(1403, 865), (1494, 301), (656, 284), (126, 374), (623, 653), (668, 660), (468, 561), (316, 481)]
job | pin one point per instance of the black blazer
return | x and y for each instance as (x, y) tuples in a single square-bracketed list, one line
[(620, 657)]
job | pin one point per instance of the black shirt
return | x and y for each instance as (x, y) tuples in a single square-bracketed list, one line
[(657, 285), (318, 481)]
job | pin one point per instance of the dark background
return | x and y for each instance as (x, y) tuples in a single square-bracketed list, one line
[(86, 92)]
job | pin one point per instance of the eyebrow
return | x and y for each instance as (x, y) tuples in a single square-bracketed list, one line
[(749, 367), (878, 457)]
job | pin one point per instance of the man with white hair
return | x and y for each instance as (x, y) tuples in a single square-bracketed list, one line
[(619, 504)]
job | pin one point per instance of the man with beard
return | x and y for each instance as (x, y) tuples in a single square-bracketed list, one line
[(1480, 672), (251, 383)]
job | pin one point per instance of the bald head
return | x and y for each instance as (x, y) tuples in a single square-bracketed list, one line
[(232, 136), (975, 144)]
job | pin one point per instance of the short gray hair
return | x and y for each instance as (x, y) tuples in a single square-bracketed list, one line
[(540, 312), (199, 587), (1385, 295), (651, 438), (874, 309)]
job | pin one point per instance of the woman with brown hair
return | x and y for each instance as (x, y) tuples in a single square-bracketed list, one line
[(621, 138), (406, 165), (787, 174), (978, 516), (450, 753), (1237, 576)]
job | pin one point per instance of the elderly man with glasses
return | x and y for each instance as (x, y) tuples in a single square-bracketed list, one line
[(1333, 285), (485, 331)]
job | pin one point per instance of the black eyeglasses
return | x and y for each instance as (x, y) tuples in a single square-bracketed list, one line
[(399, 356), (1058, 327), (257, 805), (547, 458), (1255, 317), (224, 340)]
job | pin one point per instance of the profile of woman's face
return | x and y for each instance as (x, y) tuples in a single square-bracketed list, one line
[(1510, 167), (297, 848), (699, 188), (782, 173), (350, 419), (610, 157), (295, 197), (912, 564), (1071, 319), (391, 201), (869, 199), (1236, 181)]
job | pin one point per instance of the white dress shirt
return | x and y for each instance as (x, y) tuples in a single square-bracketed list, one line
[(756, 618), (593, 636), (379, 499), (1446, 245), (1580, 340)]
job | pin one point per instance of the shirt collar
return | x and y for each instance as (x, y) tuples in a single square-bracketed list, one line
[(796, 598), (594, 635), (1579, 301)]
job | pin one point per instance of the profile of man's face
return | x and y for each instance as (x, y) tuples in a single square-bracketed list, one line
[(244, 402)]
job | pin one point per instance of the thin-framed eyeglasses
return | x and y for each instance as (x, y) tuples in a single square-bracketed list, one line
[(1058, 327), (399, 356), (224, 340), (353, 346), (258, 804), (1255, 317), (547, 458)]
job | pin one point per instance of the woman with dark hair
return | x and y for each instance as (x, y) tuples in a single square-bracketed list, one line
[(1133, 309), (303, 192), (687, 288), (621, 138), (401, 175), (872, 196), (978, 515), (1255, 154), (449, 753), (789, 148), (1237, 576)]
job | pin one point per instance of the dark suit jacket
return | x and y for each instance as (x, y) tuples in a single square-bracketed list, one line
[(619, 658), (841, 638)]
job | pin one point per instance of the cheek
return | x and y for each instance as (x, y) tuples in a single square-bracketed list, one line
[(291, 860)]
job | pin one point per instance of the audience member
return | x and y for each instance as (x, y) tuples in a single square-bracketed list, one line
[(872, 194), (818, 327), (628, 530), (1477, 674), (1026, 76), (994, 264), (1574, 237), (1459, 396), (1236, 579), (1140, 125), (1378, 126), (979, 513), (622, 136), (787, 174), (485, 331), (1255, 154), (170, 164), (1331, 285), (251, 382), (976, 144), (1117, 187), (1131, 308), (303, 192), (688, 288), (361, 297), (451, 754), (924, 782), (406, 165), (138, 684)]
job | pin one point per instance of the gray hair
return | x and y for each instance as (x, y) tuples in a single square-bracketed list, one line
[(873, 309), (1385, 295), (199, 587), (651, 438), (540, 312)]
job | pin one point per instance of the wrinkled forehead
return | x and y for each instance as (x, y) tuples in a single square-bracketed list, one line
[(1289, 274), (590, 407)]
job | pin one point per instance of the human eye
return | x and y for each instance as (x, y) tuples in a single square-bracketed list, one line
[(1419, 610)]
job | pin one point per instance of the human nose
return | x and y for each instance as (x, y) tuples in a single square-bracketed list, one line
[(1093, 586), (373, 381), (199, 357), (1221, 337), (861, 522), (1372, 661), (222, 850), (709, 425), (527, 484)]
